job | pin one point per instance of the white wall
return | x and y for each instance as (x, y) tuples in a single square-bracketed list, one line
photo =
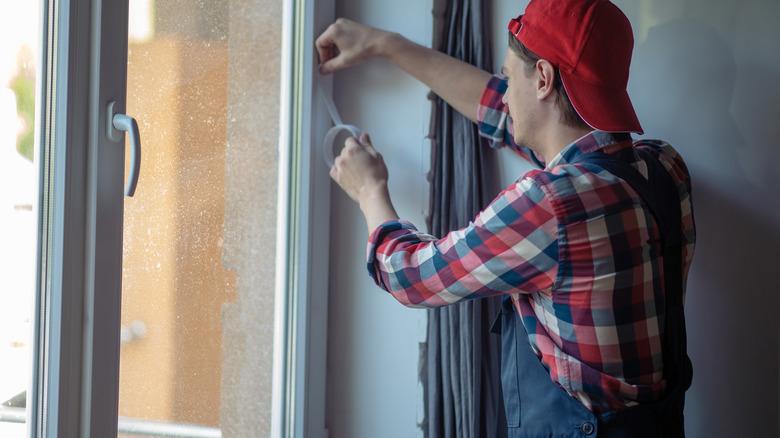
[(704, 77), (373, 388)]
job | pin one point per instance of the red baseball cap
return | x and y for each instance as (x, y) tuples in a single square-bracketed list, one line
[(590, 43)]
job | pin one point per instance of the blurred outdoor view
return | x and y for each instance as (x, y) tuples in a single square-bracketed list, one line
[(199, 234), (18, 173)]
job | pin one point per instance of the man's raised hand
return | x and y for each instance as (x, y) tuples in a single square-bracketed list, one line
[(346, 43)]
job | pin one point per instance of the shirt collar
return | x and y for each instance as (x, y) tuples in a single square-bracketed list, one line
[(609, 142)]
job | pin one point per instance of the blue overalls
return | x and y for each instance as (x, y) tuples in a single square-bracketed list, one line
[(536, 406)]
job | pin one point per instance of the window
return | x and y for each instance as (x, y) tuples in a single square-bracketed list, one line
[(199, 234), (192, 308)]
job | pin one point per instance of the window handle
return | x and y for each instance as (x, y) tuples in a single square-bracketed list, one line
[(123, 122)]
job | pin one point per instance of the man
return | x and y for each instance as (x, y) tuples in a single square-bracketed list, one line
[(591, 251)]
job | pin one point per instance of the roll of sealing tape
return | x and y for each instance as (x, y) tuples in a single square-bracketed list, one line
[(327, 146)]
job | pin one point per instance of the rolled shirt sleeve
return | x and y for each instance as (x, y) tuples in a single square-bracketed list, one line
[(511, 247), (495, 123)]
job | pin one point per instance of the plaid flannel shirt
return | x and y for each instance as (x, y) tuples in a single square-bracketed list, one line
[(575, 250)]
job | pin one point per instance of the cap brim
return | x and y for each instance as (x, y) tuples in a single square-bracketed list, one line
[(605, 109)]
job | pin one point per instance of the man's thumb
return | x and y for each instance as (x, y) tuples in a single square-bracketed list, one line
[(332, 65)]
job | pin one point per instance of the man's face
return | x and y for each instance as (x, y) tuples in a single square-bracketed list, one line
[(520, 97)]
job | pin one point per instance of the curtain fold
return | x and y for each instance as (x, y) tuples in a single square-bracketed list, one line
[(460, 361)]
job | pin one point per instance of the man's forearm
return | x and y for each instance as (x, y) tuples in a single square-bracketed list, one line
[(457, 82), (377, 207)]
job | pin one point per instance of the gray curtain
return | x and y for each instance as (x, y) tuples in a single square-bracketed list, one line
[(460, 362)]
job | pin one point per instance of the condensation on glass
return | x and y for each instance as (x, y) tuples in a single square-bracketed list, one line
[(19, 47), (199, 234)]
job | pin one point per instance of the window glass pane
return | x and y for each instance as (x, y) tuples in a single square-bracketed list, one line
[(199, 234), (19, 35)]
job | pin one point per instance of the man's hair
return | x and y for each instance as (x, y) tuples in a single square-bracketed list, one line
[(569, 115)]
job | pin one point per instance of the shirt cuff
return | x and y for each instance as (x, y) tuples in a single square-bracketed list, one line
[(387, 230)]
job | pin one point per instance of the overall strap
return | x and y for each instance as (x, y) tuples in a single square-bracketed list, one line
[(660, 195)]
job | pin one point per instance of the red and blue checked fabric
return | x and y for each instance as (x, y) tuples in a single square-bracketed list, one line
[(572, 246), (495, 123)]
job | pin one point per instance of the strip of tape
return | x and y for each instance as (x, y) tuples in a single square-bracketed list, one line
[(327, 145)]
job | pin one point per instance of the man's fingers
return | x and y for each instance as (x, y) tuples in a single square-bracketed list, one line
[(352, 143), (323, 52), (335, 63), (331, 57), (365, 140), (326, 44)]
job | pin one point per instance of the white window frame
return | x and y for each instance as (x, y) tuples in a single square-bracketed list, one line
[(300, 343), (83, 67)]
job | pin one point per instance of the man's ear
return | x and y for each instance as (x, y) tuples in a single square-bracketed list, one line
[(545, 79)]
